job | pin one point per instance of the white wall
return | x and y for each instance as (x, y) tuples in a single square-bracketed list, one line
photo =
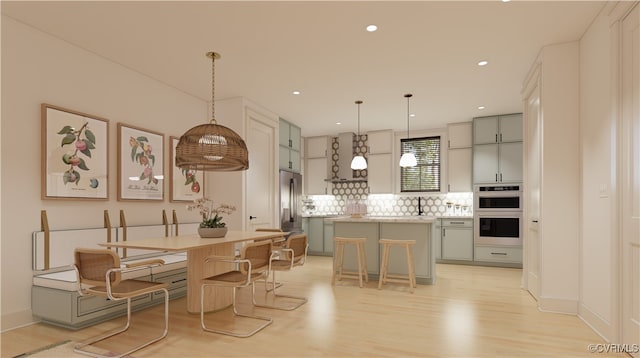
[(597, 151), (38, 68)]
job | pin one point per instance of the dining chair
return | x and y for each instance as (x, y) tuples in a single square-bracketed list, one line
[(99, 273), (253, 264), (294, 254)]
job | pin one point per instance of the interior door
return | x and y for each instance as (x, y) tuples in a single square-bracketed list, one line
[(262, 174), (630, 190), (532, 194)]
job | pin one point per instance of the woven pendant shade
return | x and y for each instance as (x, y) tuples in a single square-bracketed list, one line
[(212, 147)]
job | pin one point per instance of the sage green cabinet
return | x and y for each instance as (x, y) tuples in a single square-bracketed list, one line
[(457, 239), (319, 232), (290, 140)]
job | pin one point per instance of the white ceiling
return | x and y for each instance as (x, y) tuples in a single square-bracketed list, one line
[(269, 49)]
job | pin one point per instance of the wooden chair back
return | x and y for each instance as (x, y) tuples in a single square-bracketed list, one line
[(258, 253), (93, 264)]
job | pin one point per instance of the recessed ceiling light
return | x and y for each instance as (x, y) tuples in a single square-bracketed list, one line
[(481, 107), (483, 63), (372, 28), (338, 123), (296, 92), (506, 0), (412, 115)]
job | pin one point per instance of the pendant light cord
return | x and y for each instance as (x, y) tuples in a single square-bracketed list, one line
[(358, 103), (213, 89), (408, 96)]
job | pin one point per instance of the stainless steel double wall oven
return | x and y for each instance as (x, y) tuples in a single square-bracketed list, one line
[(498, 215)]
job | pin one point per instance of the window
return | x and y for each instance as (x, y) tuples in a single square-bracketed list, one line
[(426, 175)]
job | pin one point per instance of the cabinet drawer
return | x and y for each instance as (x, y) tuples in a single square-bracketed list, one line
[(498, 254), (457, 223)]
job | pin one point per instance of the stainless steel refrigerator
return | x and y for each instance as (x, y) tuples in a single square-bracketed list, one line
[(290, 201)]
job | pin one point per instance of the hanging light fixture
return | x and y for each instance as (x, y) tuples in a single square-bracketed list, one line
[(358, 162), (408, 159), (212, 147)]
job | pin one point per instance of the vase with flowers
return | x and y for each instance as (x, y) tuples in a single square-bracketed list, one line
[(212, 225)]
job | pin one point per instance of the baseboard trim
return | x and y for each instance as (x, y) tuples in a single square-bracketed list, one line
[(598, 324), (16, 320), (558, 305)]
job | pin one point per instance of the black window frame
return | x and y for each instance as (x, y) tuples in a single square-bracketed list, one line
[(424, 167)]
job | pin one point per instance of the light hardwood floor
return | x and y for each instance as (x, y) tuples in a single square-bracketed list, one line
[(470, 311)]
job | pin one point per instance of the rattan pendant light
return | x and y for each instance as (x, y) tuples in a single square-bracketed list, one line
[(358, 162), (212, 147), (408, 159)]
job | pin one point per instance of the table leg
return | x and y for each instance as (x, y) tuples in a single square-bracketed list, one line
[(216, 298)]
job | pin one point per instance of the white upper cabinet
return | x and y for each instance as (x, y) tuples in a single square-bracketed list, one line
[(459, 162), (317, 147), (380, 162), (380, 141), (460, 135)]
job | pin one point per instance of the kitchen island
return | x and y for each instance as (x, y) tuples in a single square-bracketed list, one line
[(391, 227)]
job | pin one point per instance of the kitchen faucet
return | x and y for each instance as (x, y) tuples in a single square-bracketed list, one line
[(420, 210)]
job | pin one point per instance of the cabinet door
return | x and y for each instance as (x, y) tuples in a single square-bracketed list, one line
[(284, 133), (459, 174), (460, 135), (316, 235), (294, 158), (457, 243), (379, 174), (315, 175), (511, 128), (316, 147), (436, 232), (485, 130), (485, 163), (284, 158), (380, 142), (295, 136), (511, 162)]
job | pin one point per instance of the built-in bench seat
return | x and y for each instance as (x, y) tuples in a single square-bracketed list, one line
[(54, 291)]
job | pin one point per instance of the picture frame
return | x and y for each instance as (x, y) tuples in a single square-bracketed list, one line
[(185, 185), (140, 164), (75, 155)]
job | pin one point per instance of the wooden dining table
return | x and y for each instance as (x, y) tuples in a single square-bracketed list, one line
[(198, 249)]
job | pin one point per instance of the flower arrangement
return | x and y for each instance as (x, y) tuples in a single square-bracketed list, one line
[(211, 216)]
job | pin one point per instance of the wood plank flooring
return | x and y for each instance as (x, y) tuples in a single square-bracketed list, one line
[(470, 311)]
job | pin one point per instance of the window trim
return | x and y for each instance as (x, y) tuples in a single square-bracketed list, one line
[(432, 133), (439, 165)]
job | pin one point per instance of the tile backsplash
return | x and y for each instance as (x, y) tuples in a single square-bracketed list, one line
[(385, 204), (394, 205)]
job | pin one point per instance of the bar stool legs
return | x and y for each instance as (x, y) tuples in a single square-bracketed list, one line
[(338, 260), (384, 276)]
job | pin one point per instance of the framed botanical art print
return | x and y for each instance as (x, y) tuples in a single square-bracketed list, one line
[(185, 184), (75, 155), (140, 164)]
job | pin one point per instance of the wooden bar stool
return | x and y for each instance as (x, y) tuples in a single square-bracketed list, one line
[(338, 259), (384, 277)]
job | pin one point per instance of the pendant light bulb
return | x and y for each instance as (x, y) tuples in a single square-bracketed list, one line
[(408, 159), (358, 162)]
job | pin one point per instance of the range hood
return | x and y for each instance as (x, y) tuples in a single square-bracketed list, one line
[(345, 155)]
